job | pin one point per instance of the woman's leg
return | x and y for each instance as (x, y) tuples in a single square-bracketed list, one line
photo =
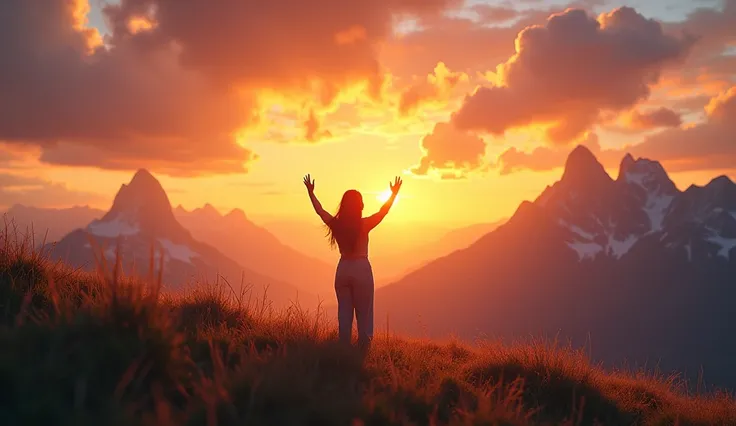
[(363, 299), (345, 306)]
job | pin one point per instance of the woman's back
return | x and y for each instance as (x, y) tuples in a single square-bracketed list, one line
[(358, 248)]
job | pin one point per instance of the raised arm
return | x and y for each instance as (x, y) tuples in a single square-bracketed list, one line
[(376, 218), (323, 214)]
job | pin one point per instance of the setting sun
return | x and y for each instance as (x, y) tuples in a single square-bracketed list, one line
[(383, 196)]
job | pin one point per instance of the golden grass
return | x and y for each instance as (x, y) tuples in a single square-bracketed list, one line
[(100, 349)]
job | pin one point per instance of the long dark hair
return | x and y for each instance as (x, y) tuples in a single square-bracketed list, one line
[(344, 228)]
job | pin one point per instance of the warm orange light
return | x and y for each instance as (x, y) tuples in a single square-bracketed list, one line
[(385, 195), (352, 35), (140, 23)]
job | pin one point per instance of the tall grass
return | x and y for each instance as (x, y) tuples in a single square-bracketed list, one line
[(80, 348)]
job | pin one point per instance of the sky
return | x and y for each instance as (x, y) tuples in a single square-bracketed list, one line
[(475, 104)]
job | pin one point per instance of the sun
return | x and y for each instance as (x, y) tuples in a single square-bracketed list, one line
[(383, 196)]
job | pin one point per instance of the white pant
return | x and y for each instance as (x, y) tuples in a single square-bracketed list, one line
[(354, 289)]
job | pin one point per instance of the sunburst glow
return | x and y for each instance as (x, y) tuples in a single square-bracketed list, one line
[(383, 196)]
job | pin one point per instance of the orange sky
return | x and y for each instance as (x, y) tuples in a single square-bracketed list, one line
[(455, 96)]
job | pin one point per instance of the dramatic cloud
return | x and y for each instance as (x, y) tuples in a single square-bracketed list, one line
[(713, 27), (437, 87), (545, 158), (177, 80), (17, 189), (565, 73), (660, 117), (705, 146), (451, 152)]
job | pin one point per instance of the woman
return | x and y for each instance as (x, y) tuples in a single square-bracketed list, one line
[(348, 230)]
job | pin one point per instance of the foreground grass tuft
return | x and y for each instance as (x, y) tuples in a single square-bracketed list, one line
[(102, 349)]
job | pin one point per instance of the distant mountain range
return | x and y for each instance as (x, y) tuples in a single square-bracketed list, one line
[(143, 223), (395, 249), (632, 268), (256, 248)]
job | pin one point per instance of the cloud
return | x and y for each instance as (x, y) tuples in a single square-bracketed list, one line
[(708, 145), (12, 156), (491, 13), (173, 94), (17, 189), (437, 87), (451, 152), (705, 146), (13, 181), (568, 71), (713, 28), (448, 39), (313, 128), (660, 117), (544, 158)]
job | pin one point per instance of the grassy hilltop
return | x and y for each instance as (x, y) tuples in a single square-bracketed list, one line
[(100, 349)]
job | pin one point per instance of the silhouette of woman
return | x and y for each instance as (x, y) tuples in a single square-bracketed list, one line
[(348, 230)]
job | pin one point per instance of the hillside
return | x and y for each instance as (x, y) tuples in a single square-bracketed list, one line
[(634, 268), (83, 350)]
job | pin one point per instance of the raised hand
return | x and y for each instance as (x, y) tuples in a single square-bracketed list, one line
[(396, 185), (309, 183)]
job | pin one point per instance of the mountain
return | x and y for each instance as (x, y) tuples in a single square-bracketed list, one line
[(52, 224), (141, 220), (414, 259), (632, 268), (257, 249)]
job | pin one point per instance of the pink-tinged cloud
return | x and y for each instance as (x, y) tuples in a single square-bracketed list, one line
[(705, 146), (491, 13), (451, 152), (171, 95), (713, 27), (544, 158), (280, 44), (447, 39), (438, 86), (651, 119), (568, 71), (21, 189)]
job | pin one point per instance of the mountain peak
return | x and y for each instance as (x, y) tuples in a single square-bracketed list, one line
[(207, 212), (236, 214), (721, 181), (143, 175), (141, 206), (582, 166), (626, 163), (646, 173), (210, 209)]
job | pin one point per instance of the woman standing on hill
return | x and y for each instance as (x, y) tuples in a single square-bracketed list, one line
[(348, 230)]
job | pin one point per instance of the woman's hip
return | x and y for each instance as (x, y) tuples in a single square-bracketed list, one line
[(358, 269)]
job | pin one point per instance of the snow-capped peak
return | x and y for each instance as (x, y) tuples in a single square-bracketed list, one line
[(140, 207), (119, 226), (653, 186)]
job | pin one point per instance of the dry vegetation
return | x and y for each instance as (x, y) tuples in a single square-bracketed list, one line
[(100, 349)]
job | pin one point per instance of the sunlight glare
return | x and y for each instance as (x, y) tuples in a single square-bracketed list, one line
[(383, 196)]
